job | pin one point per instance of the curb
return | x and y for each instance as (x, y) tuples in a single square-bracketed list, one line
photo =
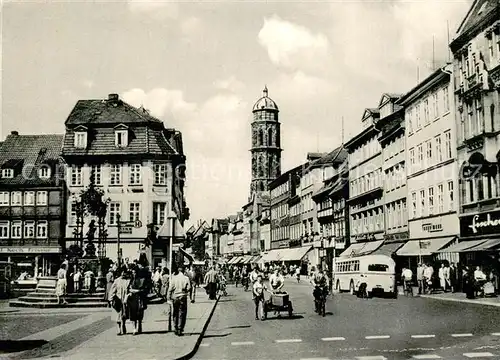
[(193, 351), (468, 301)]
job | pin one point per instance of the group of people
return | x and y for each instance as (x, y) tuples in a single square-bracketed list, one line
[(79, 282)]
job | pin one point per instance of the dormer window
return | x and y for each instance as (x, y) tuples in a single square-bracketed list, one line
[(44, 172), (80, 140), (121, 135), (7, 173)]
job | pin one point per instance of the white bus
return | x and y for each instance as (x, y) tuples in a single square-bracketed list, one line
[(377, 271)]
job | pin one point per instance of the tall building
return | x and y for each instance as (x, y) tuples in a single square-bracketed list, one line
[(431, 167), (32, 203), (138, 164), (266, 144), (476, 69), (366, 192)]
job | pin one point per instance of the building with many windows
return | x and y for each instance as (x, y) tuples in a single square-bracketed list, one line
[(431, 166), (32, 203), (392, 140), (137, 162), (476, 67), (366, 192)]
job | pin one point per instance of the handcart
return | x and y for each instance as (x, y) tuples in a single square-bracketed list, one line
[(278, 302)]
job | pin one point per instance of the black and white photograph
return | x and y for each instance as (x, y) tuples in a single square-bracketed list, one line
[(249, 180)]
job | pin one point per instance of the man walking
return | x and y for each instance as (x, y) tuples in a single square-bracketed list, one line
[(178, 291), (420, 278), (191, 275), (211, 279)]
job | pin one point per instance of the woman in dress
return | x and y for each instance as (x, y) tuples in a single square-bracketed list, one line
[(110, 279), (61, 284), (137, 299), (118, 297)]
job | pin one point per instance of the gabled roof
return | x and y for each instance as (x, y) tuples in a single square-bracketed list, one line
[(334, 157), (370, 112), (386, 97), (479, 10), (30, 152)]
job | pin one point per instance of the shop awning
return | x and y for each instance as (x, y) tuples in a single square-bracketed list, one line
[(423, 247), (291, 254), (247, 259), (461, 246), (485, 245), (239, 260), (231, 261), (364, 248), (388, 249)]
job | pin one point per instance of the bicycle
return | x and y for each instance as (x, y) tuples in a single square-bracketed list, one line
[(408, 288)]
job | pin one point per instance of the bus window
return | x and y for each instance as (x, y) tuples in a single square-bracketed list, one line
[(356, 266), (351, 267), (378, 267)]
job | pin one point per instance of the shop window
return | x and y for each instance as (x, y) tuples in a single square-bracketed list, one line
[(4, 229)]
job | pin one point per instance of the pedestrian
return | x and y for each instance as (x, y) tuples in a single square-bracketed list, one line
[(191, 275), (77, 278), (137, 299), (446, 273), (118, 295), (110, 279), (156, 281), (453, 277), (442, 281), (428, 274), (211, 281), (407, 277), (61, 284), (420, 278), (255, 273), (276, 281), (258, 295), (178, 292), (165, 282), (88, 275)]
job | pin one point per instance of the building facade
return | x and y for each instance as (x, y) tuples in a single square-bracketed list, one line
[(266, 144), (366, 200), (32, 203), (476, 66), (431, 166), (392, 141), (138, 164)]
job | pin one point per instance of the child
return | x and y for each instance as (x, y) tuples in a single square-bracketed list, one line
[(258, 295), (76, 280)]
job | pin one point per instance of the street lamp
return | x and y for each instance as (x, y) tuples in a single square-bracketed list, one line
[(171, 218)]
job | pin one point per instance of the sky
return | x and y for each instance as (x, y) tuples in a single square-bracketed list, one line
[(200, 66)]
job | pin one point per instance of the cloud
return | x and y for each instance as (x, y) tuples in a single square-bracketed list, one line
[(231, 84), (156, 8), (293, 46)]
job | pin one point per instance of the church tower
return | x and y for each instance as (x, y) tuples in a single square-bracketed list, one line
[(266, 144)]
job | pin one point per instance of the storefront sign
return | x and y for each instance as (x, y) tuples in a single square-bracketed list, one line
[(432, 227), (480, 224), (30, 250), (443, 225)]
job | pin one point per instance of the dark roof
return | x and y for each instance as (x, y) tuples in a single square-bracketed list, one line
[(436, 77), (100, 112), (336, 156), (473, 16), (30, 152), (283, 178)]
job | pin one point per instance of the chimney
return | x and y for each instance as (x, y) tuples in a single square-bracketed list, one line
[(15, 133), (113, 97)]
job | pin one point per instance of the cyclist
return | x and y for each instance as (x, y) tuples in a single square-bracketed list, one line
[(407, 276), (320, 282)]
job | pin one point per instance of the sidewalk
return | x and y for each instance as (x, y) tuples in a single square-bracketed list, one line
[(460, 297), (155, 342)]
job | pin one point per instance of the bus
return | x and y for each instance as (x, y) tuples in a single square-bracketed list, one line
[(377, 271)]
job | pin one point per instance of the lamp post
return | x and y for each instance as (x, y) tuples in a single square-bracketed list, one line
[(171, 218)]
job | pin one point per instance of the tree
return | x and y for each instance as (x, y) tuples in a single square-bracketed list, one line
[(198, 247)]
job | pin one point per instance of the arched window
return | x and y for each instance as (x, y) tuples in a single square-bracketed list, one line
[(261, 138), (270, 137), (492, 115), (261, 186)]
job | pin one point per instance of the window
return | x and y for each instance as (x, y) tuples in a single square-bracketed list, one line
[(420, 150), (451, 200), (29, 198), (115, 174), (16, 229), (29, 229), (44, 172), (378, 267), (72, 214), (96, 174), (17, 198), (440, 198), (435, 104), (160, 174), (41, 229), (426, 112), (7, 173), (114, 211), (422, 203), (4, 198), (447, 145), (121, 138), (412, 156), (4, 229), (41, 197), (429, 150), (159, 213), (446, 99), (410, 122), (413, 204), (80, 140), (439, 150), (431, 200), (76, 176), (417, 116), (134, 211), (135, 174)]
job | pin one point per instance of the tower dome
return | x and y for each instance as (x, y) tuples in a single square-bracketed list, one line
[(265, 102)]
